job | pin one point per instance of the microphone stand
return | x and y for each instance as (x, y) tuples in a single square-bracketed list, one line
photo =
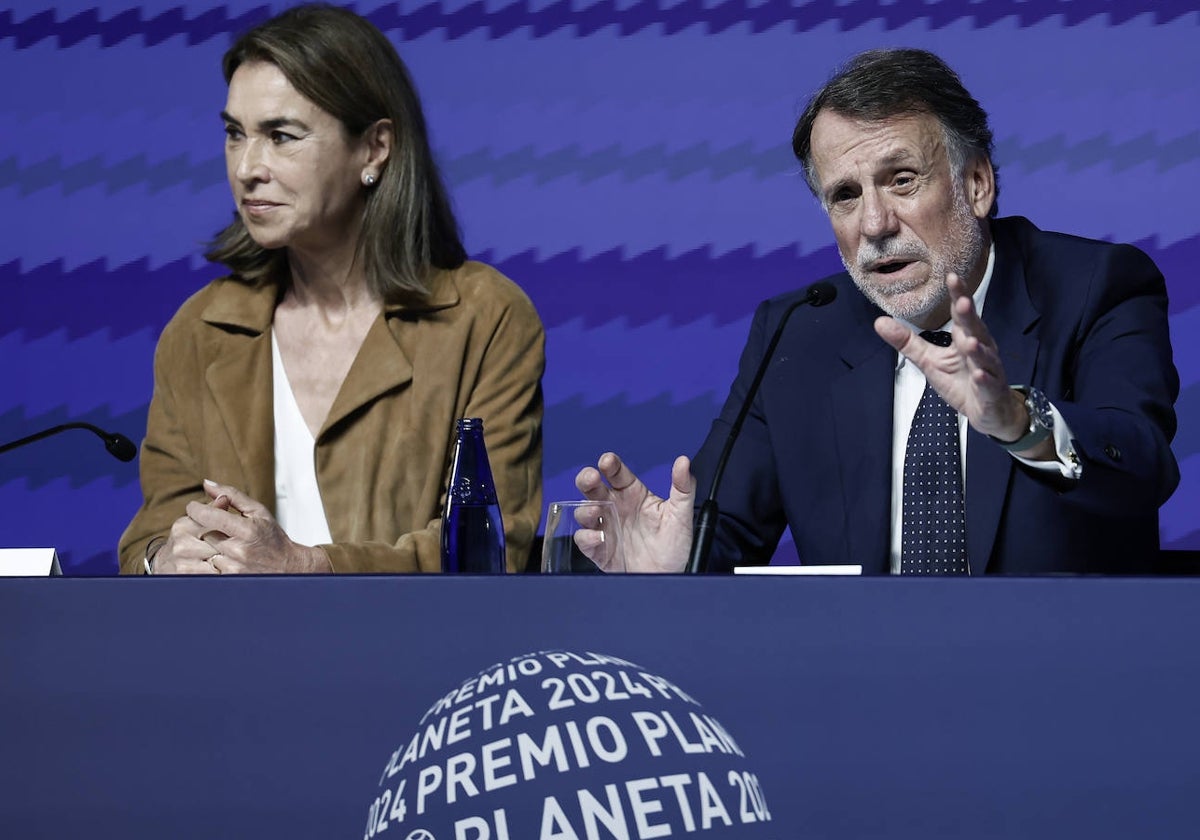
[(818, 294), (119, 446)]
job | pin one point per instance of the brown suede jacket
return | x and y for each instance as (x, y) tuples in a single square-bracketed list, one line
[(474, 348)]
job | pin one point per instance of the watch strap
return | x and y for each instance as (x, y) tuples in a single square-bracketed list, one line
[(1038, 431)]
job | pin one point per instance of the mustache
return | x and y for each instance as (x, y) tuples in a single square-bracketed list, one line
[(870, 252)]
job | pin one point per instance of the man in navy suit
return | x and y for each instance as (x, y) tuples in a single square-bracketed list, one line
[(1058, 367)]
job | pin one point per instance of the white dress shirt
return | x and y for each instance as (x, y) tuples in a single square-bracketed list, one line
[(910, 385), (298, 506)]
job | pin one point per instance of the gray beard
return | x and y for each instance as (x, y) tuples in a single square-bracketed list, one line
[(959, 253)]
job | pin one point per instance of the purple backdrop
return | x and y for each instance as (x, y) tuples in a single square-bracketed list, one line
[(625, 161)]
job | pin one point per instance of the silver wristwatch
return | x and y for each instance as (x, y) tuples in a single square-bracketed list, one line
[(1041, 421)]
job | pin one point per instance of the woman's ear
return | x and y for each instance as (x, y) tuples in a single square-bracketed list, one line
[(379, 138)]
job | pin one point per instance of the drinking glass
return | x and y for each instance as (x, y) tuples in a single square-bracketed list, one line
[(582, 537)]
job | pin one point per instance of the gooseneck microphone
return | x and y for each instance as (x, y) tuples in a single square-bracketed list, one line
[(117, 444), (818, 294)]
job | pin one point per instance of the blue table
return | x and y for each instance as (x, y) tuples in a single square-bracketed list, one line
[(519, 707)]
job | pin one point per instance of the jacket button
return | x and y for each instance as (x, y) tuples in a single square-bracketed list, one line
[(1112, 452)]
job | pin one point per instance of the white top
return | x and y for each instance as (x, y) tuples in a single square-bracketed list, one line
[(298, 507), (910, 385)]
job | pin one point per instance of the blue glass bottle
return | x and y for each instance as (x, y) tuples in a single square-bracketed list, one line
[(472, 530)]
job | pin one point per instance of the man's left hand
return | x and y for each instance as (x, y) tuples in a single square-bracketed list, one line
[(968, 374)]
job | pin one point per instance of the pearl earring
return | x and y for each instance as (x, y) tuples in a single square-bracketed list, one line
[(368, 179)]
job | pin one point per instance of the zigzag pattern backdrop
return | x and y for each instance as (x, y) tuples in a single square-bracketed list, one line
[(625, 161)]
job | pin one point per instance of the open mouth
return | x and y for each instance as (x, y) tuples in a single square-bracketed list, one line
[(891, 267)]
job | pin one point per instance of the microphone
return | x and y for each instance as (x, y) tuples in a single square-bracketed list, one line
[(818, 294), (121, 447)]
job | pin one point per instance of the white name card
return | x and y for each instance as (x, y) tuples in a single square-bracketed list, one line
[(29, 562), (797, 570)]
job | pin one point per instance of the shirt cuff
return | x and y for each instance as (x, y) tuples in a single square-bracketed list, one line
[(1068, 464)]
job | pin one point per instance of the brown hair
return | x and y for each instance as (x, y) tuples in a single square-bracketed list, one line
[(348, 68)]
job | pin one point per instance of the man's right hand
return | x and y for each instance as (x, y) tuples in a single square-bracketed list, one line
[(656, 532)]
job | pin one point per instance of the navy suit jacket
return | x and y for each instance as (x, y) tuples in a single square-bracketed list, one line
[(1084, 321)]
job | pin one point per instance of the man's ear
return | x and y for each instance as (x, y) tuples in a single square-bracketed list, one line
[(979, 182)]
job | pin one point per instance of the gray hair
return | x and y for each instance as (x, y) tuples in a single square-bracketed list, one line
[(880, 84)]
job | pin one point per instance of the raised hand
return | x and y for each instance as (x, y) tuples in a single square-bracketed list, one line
[(656, 532), (968, 374)]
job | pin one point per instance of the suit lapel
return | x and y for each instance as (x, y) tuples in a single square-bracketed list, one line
[(861, 397), (381, 366), (240, 382), (1010, 317)]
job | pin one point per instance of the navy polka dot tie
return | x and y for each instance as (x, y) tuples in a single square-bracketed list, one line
[(934, 540)]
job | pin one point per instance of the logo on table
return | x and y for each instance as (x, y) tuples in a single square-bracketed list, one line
[(558, 745)]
